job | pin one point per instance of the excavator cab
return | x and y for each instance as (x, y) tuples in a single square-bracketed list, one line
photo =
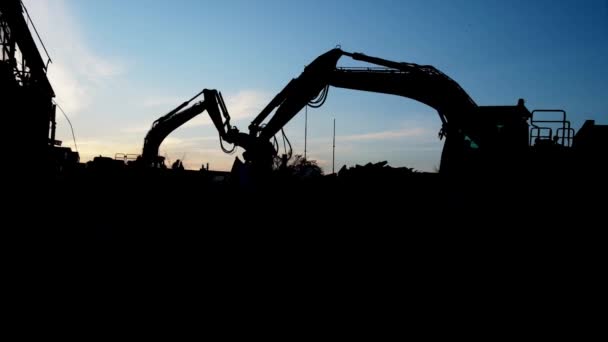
[(495, 137)]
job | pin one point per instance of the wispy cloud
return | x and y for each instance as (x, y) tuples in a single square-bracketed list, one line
[(162, 102), (247, 103), (386, 135), (76, 70), (137, 129), (241, 105), (195, 152), (186, 143), (91, 148)]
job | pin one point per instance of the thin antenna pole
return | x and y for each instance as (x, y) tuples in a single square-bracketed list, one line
[(333, 158), (305, 130), (70, 123)]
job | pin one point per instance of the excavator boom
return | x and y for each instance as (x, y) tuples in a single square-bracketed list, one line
[(422, 83), (418, 82)]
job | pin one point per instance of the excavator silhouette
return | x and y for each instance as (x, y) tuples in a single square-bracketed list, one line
[(162, 127), (489, 138), (214, 104)]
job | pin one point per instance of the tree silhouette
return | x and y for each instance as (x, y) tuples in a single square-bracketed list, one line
[(299, 167)]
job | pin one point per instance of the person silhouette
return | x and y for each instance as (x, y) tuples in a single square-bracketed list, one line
[(177, 165)]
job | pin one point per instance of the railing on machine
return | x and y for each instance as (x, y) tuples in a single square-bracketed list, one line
[(126, 157), (563, 135)]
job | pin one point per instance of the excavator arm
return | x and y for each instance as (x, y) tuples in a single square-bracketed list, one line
[(214, 104)]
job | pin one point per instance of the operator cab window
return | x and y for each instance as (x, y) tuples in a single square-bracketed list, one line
[(470, 143)]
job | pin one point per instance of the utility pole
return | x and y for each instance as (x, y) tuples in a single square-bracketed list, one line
[(333, 157), (305, 129)]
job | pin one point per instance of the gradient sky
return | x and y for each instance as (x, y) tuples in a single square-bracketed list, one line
[(120, 64)]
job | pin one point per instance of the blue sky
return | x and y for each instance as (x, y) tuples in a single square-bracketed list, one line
[(120, 64)]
